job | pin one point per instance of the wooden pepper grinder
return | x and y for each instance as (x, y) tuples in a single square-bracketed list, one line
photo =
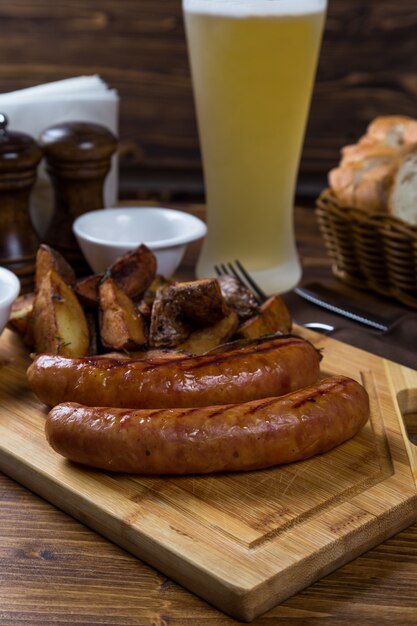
[(19, 159), (78, 159)]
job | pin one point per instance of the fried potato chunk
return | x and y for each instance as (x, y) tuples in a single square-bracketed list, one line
[(87, 289), (167, 327), (238, 297), (21, 318), (180, 309), (273, 317), (205, 339), (59, 322), (135, 271), (201, 302), (49, 259), (122, 327)]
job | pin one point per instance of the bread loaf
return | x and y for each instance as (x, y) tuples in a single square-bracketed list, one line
[(402, 202), (397, 131), (379, 173), (364, 176)]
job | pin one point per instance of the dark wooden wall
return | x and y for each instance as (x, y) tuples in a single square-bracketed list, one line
[(368, 67)]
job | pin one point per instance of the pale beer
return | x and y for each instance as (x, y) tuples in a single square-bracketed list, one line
[(253, 65)]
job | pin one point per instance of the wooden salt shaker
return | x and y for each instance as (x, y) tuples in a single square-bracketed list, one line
[(19, 159), (78, 159)]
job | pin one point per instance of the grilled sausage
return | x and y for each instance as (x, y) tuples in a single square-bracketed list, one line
[(247, 436), (268, 368)]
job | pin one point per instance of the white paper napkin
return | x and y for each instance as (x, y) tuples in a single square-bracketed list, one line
[(81, 99)]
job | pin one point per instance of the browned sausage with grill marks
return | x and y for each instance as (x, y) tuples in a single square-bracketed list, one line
[(271, 367), (247, 436)]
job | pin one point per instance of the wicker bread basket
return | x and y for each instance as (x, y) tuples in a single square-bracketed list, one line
[(370, 250)]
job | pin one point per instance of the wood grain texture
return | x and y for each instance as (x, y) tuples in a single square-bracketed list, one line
[(246, 541), (56, 571), (368, 67)]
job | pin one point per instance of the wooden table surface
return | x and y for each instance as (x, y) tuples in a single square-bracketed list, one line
[(54, 570)]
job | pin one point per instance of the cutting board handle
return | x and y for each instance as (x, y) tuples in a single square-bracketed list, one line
[(404, 386)]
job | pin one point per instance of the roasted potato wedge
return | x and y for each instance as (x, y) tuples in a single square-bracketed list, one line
[(144, 309), (21, 318), (205, 339), (182, 308), (122, 327), (87, 289), (135, 271), (273, 317), (49, 259), (92, 324), (200, 302), (157, 283), (131, 310), (59, 322), (238, 297), (167, 326)]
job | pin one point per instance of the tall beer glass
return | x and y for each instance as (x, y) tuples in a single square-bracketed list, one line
[(253, 65)]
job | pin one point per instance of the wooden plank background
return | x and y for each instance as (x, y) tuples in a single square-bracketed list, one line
[(368, 67)]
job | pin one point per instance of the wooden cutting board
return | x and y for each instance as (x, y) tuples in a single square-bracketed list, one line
[(244, 542)]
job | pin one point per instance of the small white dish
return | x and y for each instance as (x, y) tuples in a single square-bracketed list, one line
[(9, 290), (106, 234)]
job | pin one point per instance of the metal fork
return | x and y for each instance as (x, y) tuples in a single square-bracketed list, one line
[(238, 271)]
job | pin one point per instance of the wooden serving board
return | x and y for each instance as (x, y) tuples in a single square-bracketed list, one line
[(244, 542)]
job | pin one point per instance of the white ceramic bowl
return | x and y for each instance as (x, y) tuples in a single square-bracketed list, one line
[(107, 234), (9, 290)]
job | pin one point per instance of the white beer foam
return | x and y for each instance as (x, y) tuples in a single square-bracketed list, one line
[(254, 8)]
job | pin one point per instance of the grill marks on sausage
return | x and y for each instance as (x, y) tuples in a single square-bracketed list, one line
[(223, 357), (187, 412), (252, 435), (260, 406), (320, 391), (189, 362), (218, 358), (217, 412), (193, 363), (274, 367), (250, 408)]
